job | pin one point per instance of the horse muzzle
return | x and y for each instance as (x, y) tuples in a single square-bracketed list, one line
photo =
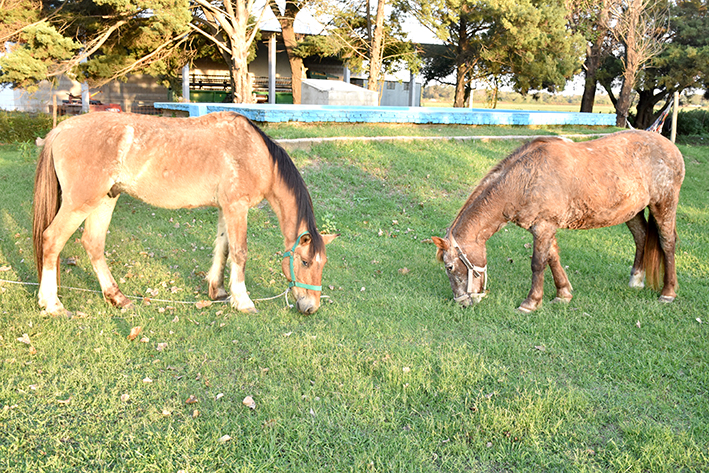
[(468, 299), (306, 305)]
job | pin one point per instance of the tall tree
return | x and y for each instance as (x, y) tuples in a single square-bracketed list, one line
[(524, 43), (368, 39), (229, 24), (88, 40), (683, 63), (640, 27), (286, 18), (590, 19)]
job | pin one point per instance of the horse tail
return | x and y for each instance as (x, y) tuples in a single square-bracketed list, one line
[(654, 255), (47, 199)]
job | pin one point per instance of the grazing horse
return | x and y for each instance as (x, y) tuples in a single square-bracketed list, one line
[(220, 160), (553, 183)]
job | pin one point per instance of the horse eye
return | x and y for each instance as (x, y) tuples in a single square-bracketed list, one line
[(449, 267), (305, 263)]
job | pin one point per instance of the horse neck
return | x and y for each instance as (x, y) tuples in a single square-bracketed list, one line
[(480, 218), (285, 205)]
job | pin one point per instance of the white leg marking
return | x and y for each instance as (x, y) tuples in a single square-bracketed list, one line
[(636, 280), (240, 300), (47, 295)]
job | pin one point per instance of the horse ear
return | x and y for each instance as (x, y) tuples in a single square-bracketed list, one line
[(440, 243), (328, 238), (305, 239)]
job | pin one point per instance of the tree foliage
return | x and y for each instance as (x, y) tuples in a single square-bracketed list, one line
[(525, 44)]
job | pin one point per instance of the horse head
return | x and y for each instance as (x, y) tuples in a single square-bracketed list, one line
[(303, 266), (468, 280)]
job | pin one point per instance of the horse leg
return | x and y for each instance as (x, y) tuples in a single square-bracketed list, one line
[(235, 216), (666, 220), (94, 242), (638, 227), (561, 280), (543, 236), (55, 237), (215, 278)]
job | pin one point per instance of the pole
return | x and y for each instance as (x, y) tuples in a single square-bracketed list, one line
[(272, 69), (675, 109), (412, 90), (186, 83)]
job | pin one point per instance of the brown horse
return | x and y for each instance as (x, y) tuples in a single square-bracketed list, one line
[(553, 183), (220, 160)]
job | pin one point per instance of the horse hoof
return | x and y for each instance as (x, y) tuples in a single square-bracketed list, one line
[(249, 310), (666, 299), (524, 310), (561, 300), (219, 294)]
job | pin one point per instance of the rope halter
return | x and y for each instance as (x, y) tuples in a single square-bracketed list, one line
[(473, 272), (290, 254)]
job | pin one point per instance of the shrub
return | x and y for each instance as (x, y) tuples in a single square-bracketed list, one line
[(20, 127), (689, 123)]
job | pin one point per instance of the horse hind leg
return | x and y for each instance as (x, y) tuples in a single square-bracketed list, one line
[(215, 277), (235, 217), (638, 227), (663, 220), (54, 238), (94, 242), (561, 280)]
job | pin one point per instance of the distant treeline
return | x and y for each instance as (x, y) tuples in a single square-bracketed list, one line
[(445, 94)]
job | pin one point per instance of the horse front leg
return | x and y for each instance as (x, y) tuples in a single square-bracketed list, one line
[(561, 280), (215, 277), (638, 227), (235, 217), (543, 236), (94, 242)]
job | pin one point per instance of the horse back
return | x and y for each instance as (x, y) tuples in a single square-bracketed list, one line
[(592, 184), (166, 162)]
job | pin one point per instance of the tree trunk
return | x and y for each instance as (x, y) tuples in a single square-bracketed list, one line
[(461, 63), (376, 48), (291, 42), (646, 115), (593, 60)]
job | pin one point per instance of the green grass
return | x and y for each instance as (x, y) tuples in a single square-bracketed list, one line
[(313, 130), (389, 375)]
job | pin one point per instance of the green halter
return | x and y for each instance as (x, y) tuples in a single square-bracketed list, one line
[(290, 254)]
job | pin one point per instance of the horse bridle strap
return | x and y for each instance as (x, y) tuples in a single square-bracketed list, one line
[(290, 254), (473, 271)]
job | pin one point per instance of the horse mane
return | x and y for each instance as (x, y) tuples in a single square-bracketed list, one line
[(483, 192), (294, 181)]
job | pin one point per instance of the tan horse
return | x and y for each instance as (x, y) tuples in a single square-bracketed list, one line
[(220, 160), (553, 183)]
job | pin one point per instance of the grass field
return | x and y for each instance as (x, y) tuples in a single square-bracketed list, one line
[(390, 374)]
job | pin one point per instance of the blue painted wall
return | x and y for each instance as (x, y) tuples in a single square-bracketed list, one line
[(432, 115)]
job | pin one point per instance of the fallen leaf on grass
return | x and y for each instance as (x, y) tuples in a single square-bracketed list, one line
[(203, 304), (147, 380), (5, 268), (25, 338), (33, 350), (224, 438), (403, 270), (166, 413), (219, 396), (249, 402), (540, 347), (191, 400), (144, 340), (637, 324), (161, 346), (699, 320), (134, 332), (125, 397), (64, 401)]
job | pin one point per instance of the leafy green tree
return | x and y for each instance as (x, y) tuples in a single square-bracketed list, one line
[(525, 44), (90, 41), (368, 39), (682, 65)]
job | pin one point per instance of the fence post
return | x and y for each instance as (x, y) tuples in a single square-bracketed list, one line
[(675, 108)]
